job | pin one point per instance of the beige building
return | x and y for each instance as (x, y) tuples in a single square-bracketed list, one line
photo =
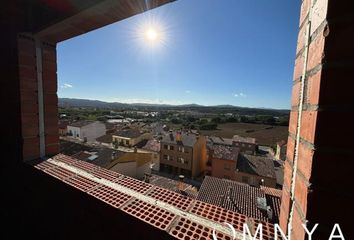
[(281, 150), (247, 145), (132, 164), (183, 153), (130, 137)]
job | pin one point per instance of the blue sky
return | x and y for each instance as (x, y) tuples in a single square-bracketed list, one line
[(210, 52)]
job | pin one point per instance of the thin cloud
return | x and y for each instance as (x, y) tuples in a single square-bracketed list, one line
[(240, 95), (188, 91), (66, 85)]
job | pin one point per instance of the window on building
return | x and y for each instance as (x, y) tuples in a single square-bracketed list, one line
[(165, 146), (226, 177), (171, 147), (182, 160)]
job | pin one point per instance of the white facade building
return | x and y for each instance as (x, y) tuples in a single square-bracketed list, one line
[(86, 131)]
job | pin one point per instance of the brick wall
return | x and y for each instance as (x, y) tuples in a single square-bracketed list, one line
[(27, 65), (320, 174)]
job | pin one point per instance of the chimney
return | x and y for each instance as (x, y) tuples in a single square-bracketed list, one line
[(147, 177), (171, 135), (181, 184), (178, 136)]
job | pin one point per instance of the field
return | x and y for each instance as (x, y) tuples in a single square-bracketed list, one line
[(264, 134)]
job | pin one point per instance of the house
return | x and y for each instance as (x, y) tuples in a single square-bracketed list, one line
[(62, 125), (130, 137), (132, 164), (262, 203), (213, 140), (110, 128), (105, 140), (183, 153), (222, 161), (247, 145), (255, 170), (86, 131), (173, 185), (102, 157), (281, 150), (153, 146)]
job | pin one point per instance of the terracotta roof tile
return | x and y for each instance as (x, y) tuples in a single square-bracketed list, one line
[(243, 198), (178, 215)]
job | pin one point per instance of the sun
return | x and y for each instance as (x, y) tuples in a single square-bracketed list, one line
[(151, 34)]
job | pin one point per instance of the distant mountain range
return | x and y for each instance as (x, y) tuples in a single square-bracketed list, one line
[(74, 102)]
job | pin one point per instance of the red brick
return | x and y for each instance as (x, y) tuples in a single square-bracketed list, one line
[(295, 96), (30, 125), (284, 210), (26, 60), (287, 174), (49, 66), (28, 85), (49, 53), (308, 125), (318, 15), (301, 192), (316, 52), (301, 38), (26, 46), (305, 160), (52, 150), (299, 66), (290, 149), (29, 107), (27, 72), (50, 85), (313, 89), (30, 148), (50, 110), (29, 96), (293, 122), (51, 139), (49, 76), (51, 120), (305, 6), (51, 129), (298, 232), (50, 99)]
